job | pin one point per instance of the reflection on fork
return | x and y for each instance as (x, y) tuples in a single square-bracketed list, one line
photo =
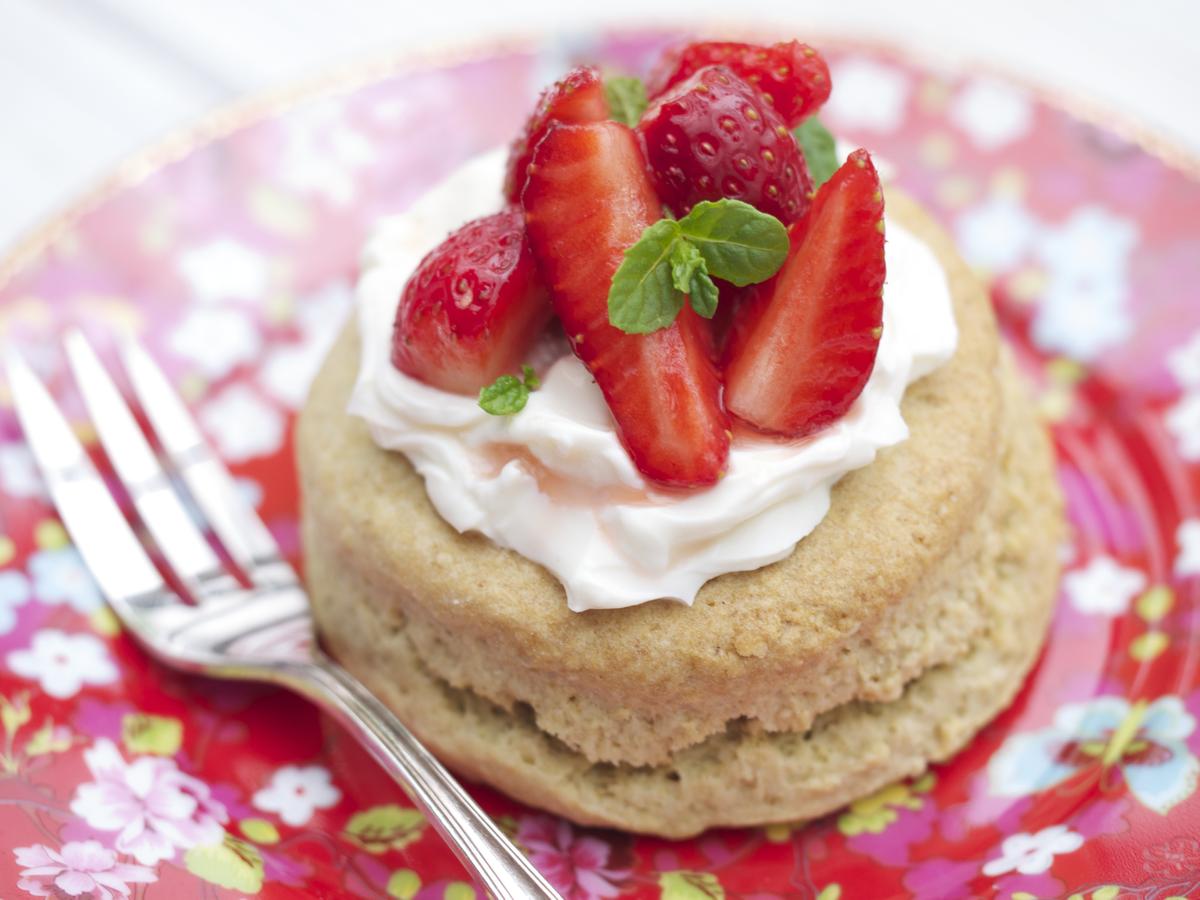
[(258, 630)]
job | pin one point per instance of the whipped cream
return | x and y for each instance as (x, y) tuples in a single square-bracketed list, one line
[(554, 482)]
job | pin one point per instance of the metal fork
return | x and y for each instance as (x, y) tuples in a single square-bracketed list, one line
[(260, 633)]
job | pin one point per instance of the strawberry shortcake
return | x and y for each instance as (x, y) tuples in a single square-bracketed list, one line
[(672, 473)]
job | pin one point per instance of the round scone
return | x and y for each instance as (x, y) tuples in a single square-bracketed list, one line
[(889, 636)]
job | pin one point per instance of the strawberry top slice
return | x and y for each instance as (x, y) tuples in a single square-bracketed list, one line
[(587, 200), (577, 97), (472, 307), (803, 349), (793, 76)]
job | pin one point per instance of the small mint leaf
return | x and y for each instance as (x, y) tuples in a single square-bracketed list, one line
[(739, 243), (626, 99), (530, 377), (690, 275), (643, 296), (686, 261), (508, 394), (703, 294), (819, 149)]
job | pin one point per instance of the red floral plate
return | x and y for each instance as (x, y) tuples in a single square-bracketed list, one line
[(231, 253)]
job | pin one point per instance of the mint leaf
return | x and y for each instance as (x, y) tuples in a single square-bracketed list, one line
[(686, 261), (626, 99), (703, 295), (738, 243), (505, 396), (508, 394), (690, 275), (643, 296), (531, 380), (819, 148)]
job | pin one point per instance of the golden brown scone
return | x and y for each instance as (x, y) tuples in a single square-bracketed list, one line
[(938, 558)]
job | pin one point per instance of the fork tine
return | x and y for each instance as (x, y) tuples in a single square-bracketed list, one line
[(103, 538), (158, 505), (233, 521)]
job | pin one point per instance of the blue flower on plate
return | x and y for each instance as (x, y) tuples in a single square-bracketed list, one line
[(60, 576), (1109, 741), (14, 591)]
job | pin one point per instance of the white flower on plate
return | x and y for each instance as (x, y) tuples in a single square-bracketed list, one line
[(215, 340), (1084, 310), (79, 869), (997, 234), (296, 792), (224, 269), (1183, 421), (63, 663), (1091, 244), (1184, 362), (153, 807), (1032, 854), (324, 310), (1103, 586), (867, 94), (19, 475), (1082, 319), (250, 491), (323, 154), (1187, 536), (60, 576), (242, 424), (289, 369), (14, 592), (991, 113)]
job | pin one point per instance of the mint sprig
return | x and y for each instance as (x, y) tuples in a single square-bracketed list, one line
[(626, 98), (725, 239), (819, 149), (689, 274), (738, 243), (508, 394)]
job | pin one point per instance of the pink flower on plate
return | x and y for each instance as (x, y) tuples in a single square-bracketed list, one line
[(575, 866), (153, 806), (80, 868)]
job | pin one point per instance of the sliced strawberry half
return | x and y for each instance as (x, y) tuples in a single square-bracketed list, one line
[(587, 200), (472, 308), (578, 97), (714, 136), (803, 349), (792, 75)]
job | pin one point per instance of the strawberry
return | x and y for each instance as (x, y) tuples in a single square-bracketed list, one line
[(793, 76), (714, 136), (588, 199), (578, 97), (802, 350), (472, 308)]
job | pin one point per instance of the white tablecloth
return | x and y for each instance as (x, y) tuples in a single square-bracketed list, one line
[(85, 82)]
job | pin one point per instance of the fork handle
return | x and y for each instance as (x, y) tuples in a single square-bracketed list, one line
[(472, 835)]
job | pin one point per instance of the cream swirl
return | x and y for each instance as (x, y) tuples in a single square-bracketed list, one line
[(554, 482)]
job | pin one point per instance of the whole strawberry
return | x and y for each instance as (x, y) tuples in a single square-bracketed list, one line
[(793, 76), (472, 308), (715, 136), (577, 97)]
